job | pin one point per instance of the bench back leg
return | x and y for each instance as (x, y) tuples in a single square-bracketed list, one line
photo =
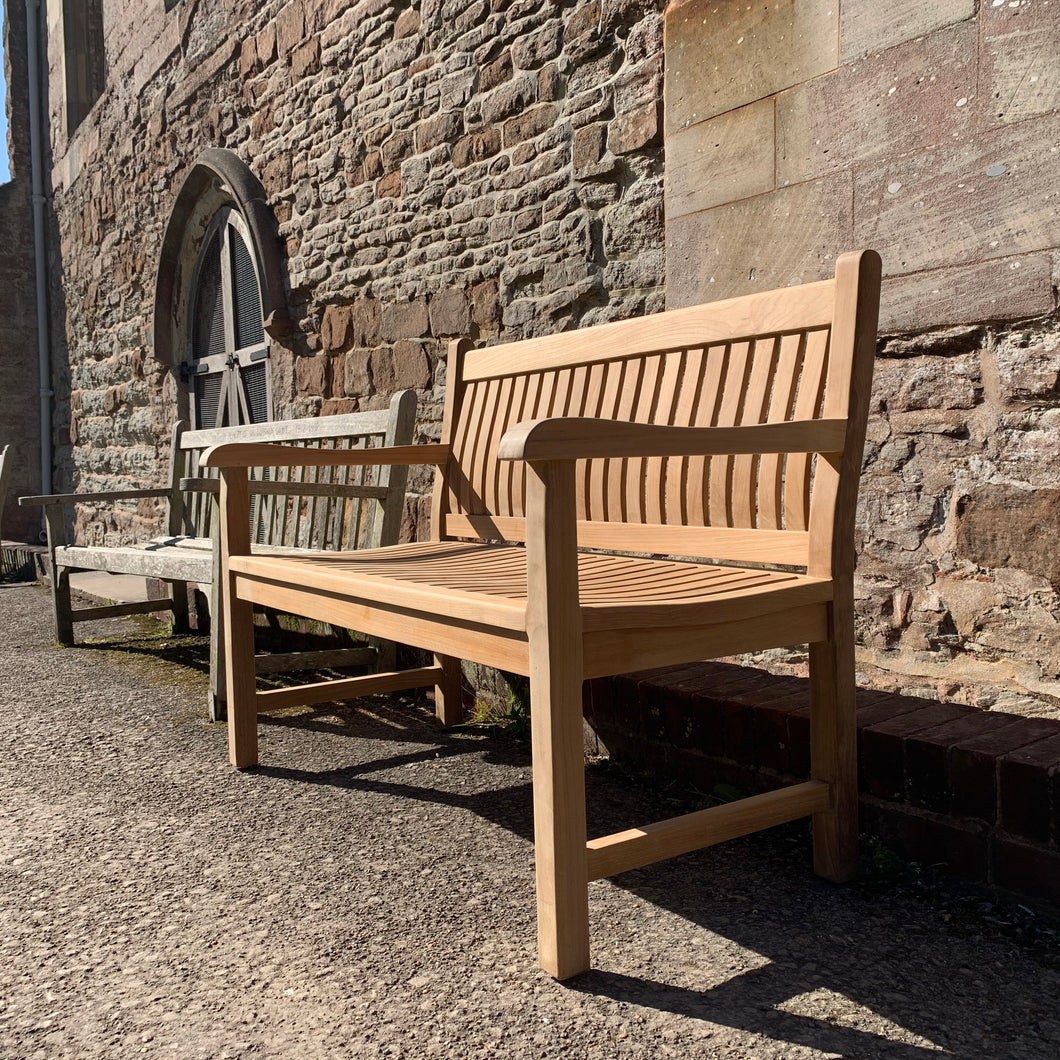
[(448, 704), (178, 593), (61, 606)]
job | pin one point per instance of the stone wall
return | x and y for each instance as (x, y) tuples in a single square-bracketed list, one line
[(455, 168), (496, 169), (799, 129), (19, 377)]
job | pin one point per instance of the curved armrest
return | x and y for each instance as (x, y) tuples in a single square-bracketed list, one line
[(574, 438), (260, 454), (90, 498)]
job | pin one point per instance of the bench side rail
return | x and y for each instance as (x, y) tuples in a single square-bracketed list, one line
[(771, 358)]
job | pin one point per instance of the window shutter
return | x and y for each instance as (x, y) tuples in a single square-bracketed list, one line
[(249, 327), (208, 329), (229, 366), (208, 391), (254, 380)]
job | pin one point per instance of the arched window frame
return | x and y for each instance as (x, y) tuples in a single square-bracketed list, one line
[(218, 180), (234, 384)]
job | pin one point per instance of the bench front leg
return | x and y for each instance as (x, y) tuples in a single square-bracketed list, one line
[(556, 670), (238, 618), (833, 746)]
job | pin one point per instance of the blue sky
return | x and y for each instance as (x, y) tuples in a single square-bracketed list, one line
[(5, 171)]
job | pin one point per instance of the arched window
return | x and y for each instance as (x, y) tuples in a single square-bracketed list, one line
[(227, 362), (220, 294)]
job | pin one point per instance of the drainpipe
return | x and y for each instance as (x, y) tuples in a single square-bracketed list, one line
[(36, 170)]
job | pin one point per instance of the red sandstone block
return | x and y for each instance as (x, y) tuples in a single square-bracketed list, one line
[(973, 764), (926, 754), (1025, 789), (1026, 868), (882, 745)]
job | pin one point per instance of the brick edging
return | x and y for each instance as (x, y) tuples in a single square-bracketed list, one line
[(940, 782)]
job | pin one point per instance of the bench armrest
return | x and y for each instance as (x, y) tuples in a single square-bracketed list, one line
[(254, 454), (574, 438), (90, 498)]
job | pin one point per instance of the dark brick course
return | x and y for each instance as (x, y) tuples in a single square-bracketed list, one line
[(941, 783)]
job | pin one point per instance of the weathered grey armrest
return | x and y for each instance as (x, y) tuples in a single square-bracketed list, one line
[(90, 498), (200, 485)]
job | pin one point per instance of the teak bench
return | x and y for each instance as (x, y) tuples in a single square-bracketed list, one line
[(726, 432), (328, 508)]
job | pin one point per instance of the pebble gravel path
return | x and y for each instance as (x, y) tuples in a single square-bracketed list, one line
[(368, 892)]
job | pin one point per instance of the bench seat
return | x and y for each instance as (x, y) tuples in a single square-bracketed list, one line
[(476, 583)]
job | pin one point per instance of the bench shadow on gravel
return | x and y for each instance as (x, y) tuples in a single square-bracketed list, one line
[(759, 892)]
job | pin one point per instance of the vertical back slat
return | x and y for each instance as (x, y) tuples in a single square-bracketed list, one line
[(697, 468), (664, 412), (807, 402), (594, 393), (598, 469), (720, 501), (477, 403), (675, 470), (634, 469), (577, 406), (616, 472), (755, 407), (532, 411), (781, 405), (506, 472), (491, 466)]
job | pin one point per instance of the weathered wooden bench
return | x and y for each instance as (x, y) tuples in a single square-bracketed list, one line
[(730, 434), (327, 508)]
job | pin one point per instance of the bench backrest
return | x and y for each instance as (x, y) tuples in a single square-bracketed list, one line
[(320, 508), (797, 353)]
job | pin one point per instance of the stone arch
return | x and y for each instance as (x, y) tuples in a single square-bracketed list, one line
[(218, 178)]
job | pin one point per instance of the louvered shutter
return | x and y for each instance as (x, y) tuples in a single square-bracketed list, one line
[(228, 364)]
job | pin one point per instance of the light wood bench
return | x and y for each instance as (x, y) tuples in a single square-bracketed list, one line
[(326, 508), (728, 432)]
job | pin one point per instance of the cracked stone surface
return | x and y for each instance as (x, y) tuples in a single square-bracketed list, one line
[(368, 892)]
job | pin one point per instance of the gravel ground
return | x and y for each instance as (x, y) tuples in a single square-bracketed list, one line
[(368, 892)]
